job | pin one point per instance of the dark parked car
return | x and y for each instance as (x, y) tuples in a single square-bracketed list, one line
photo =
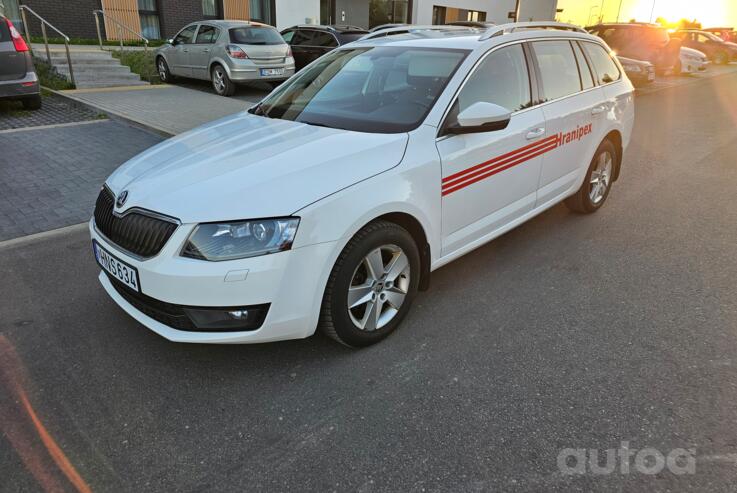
[(17, 75), (719, 51), (310, 42), (639, 72), (647, 42)]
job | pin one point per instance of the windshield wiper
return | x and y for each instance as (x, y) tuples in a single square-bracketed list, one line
[(315, 124)]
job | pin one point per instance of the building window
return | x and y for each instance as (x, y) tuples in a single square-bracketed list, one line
[(149, 14), (388, 12), (262, 11), (445, 15), (210, 9)]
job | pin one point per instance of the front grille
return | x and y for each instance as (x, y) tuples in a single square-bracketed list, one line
[(136, 233), (165, 313)]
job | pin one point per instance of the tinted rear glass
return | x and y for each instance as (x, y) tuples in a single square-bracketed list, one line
[(255, 36), (4, 31)]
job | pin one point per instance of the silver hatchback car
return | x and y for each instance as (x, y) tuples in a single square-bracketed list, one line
[(227, 53)]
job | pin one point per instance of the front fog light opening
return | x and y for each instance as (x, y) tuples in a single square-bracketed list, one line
[(228, 319)]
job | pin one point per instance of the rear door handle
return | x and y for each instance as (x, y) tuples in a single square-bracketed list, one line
[(534, 134), (599, 110)]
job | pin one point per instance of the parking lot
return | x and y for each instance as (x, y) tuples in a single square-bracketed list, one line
[(570, 332)]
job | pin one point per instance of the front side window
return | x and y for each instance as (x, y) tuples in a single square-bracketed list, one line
[(606, 69), (382, 89), (558, 69), (502, 78), (207, 35), (186, 35), (256, 36)]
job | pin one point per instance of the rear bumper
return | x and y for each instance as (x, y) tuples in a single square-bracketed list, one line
[(20, 88)]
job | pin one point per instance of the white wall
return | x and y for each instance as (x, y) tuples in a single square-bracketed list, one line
[(293, 12), (496, 10)]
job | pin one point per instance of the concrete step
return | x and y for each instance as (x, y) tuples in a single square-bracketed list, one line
[(123, 79), (81, 61), (100, 84), (102, 70)]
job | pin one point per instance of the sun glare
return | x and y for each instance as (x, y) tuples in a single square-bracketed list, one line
[(708, 12)]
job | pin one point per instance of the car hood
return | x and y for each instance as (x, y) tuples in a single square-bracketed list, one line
[(692, 52), (245, 166)]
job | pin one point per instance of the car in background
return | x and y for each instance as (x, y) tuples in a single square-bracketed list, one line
[(639, 72), (640, 41), (226, 53), (476, 24), (719, 51), (692, 61), (310, 42), (726, 33), (18, 80)]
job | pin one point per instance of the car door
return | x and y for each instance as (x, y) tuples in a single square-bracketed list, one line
[(573, 110), (490, 179), (179, 54), (300, 42), (200, 51)]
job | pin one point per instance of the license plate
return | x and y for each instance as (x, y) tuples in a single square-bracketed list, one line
[(650, 76), (270, 72), (123, 272)]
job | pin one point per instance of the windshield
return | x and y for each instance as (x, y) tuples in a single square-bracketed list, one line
[(255, 36), (377, 89)]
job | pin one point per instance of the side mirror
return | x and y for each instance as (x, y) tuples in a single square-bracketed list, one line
[(170, 41), (481, 117)]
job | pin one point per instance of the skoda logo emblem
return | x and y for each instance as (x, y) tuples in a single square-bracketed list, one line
[(122, 198)]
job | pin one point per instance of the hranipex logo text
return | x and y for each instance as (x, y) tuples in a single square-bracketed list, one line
[(575, 135), (479, 172)]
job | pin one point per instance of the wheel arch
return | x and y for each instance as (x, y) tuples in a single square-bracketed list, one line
[(217, 61), (615, 137), (415, 229)]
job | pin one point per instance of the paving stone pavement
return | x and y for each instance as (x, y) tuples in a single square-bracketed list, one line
[(50, 178), (55, 110)]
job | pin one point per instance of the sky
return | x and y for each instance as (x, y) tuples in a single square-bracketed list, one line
[(711, 13)]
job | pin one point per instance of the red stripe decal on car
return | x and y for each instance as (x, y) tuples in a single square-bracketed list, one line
[(489, 168)]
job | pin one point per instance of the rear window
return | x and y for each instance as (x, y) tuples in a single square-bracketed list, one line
[(255, 36), (4, 31), (605, 68)]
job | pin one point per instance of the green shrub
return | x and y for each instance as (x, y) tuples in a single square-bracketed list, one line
[(49, 77), (141, 63)]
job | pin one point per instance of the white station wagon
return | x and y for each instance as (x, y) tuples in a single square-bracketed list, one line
[(329, 203)]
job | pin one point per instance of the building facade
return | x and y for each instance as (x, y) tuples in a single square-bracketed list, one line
[(162, 19)]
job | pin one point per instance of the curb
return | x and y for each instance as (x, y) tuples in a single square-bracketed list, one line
[(113, 115)]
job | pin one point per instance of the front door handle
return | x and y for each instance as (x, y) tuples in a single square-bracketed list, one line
[(206, 50), (534, 134), (599, 110)]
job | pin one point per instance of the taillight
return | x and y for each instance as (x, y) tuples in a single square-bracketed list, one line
[(289, 52), (236, 52), (18, 41)]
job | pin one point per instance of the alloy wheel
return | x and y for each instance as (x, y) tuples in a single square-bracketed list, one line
[(162, 70), (218, 80), (378, 287), (601, 177)]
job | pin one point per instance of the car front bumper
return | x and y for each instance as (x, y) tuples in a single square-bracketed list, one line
[(693, 66), (290, 283), (20, 88)]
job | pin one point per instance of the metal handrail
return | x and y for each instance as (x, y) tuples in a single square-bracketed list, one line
[(513, 26), (44, 23), (118, 25)]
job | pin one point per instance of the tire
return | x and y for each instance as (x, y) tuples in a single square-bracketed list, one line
[(603, 165), (391, 294), (221, 82), (721, 58), (32, 102), (163, 70)]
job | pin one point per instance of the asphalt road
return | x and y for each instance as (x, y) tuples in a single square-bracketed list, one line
[(568, 332)]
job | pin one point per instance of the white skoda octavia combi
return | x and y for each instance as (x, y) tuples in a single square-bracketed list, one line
[(328, 204)]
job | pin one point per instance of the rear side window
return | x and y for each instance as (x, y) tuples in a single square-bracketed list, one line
[(587, 80), (502, 78), (324, 39), (255, 36), (558, 69), (207, 35), (606, 69), (302, 38)]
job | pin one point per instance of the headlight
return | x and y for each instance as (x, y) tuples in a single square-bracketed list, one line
[(631, 68), (241, 239)]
